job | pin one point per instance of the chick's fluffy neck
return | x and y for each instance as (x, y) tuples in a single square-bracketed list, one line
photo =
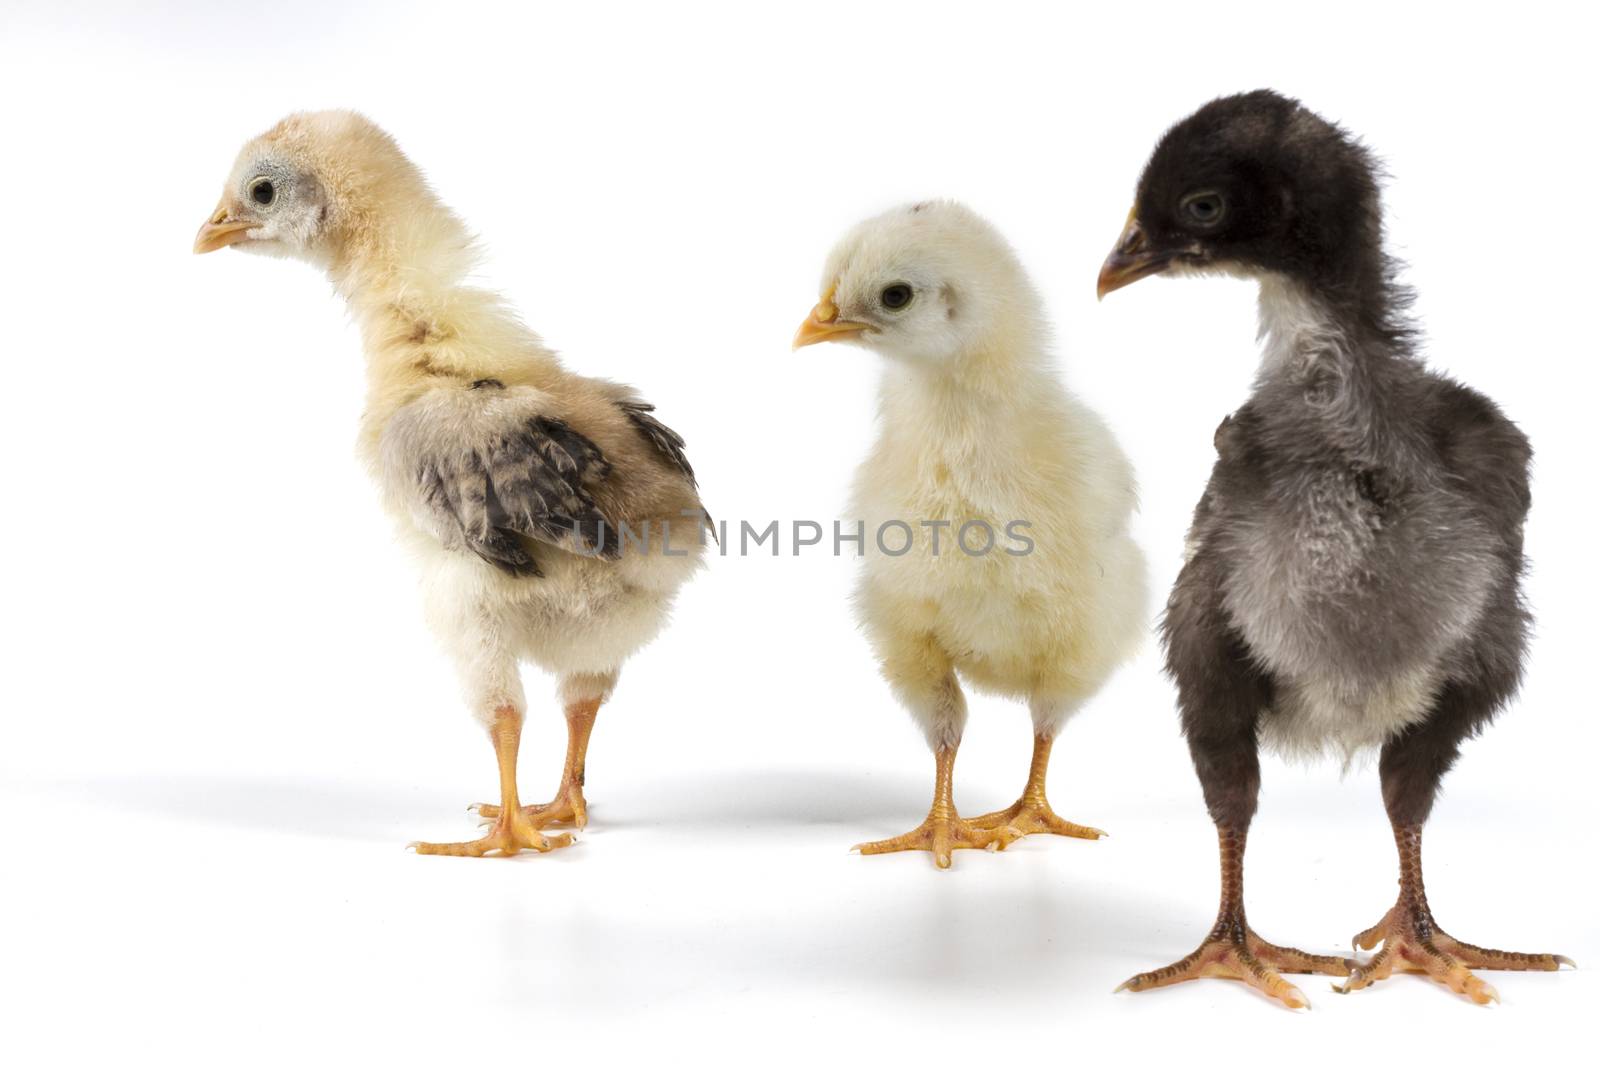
[(1000, 376), (1329, 385), (402, 270)]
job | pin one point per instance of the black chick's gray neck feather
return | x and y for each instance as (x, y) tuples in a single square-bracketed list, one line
[(1330, 390)]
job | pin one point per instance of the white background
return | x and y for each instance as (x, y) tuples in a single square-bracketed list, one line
[(223, 718)]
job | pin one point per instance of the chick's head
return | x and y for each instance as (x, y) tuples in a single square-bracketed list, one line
[(310, 187), (1249, 185), (923, 283)]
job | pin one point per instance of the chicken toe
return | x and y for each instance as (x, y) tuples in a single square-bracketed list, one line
[(1233, 950), (1246, 958), (1032, 814), (513, 829), (941, 833), (1035, 816), (943, 830), (507, 836), (567, 809), (1413, 942)]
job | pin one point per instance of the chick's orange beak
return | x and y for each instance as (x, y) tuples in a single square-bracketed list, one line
[(1130, 260), (221, 230), (824, 324)]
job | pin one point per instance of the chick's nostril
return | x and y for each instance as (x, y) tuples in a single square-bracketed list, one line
[(1133, 240), (826, 310), (220, 214)]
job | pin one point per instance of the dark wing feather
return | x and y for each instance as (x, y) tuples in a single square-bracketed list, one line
[(531, 482), (460, 500), (666, 440), (1487, 456)]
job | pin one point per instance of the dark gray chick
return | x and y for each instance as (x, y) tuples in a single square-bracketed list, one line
[(1354, 567)]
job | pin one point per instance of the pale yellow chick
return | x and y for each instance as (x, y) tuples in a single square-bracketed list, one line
[(996, 506)]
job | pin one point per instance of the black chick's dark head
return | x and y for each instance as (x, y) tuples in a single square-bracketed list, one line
[(1255, 184)]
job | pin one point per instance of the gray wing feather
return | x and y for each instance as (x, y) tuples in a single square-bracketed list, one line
[(485, 472), (666, 440)]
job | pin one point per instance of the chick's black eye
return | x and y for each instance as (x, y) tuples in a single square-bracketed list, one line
[(262, 191), (895, 297), (1202, 209)]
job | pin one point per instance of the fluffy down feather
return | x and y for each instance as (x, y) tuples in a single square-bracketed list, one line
[(506, 474), (974, 428)]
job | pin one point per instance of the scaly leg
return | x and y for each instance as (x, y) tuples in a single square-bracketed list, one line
[(1232, 949), (568, 806), (1222, 692), (1032, 813), (943, 830), (1412, 941), (512, 831)]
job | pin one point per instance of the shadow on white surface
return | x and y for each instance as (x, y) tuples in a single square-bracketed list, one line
[(322, 807), (767, 798), (308, 807), (694, 902)]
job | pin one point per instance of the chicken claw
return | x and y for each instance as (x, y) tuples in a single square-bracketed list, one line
[(943, 830), (569, 806), (567, 809), (1251, 960), (940, 834), (1032, 813), (1413, 942), (507, 836), (1232, 949), (514, 829)]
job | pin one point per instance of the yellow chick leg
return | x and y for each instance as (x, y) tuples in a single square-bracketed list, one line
[(943, 830), (512, 831), (1032, 813), (569, 806)]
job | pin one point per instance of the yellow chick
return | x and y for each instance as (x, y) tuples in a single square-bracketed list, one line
[(994, 505)]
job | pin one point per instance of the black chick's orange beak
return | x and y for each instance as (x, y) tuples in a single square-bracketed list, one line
[(1133, 258), (222, 229)]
